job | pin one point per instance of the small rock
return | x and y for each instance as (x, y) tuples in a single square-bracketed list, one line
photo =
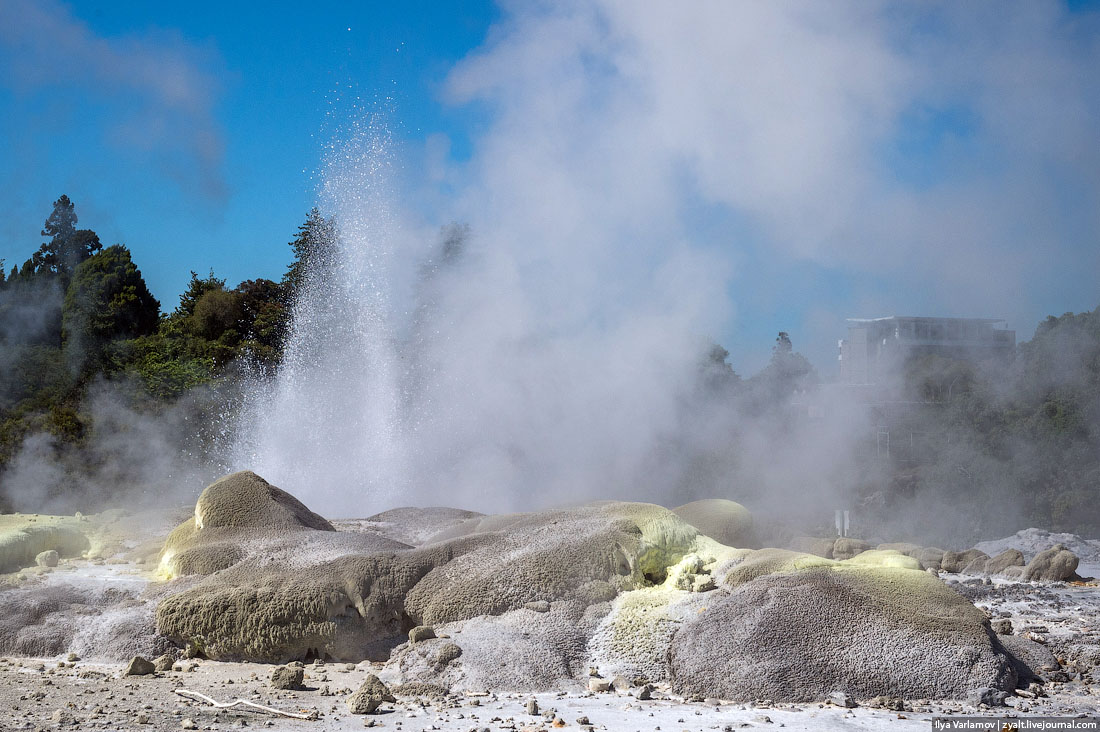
[(48, 558), (369, 696), (893, 703), (539, 606), (532, 706), (287, 677), (583, 721), (598, 685), (988, 697), (703, 583), (139, 666), (1001, 626), (421, 633), (142, 719), (188, 723), (644, 693), (164, 663), (61, 717), (73, 658), (840, 699), (447, 653)]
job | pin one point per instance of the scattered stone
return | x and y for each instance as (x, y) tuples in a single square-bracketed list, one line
[(72, 658), (532, 706), (599, 686), (369, 696), (988, 697), (62, 718), (188, 723), (164, 663), (840, 699), (142, 719), (421, 633), (644, 693), (48, 558), (287, 677), (1001, 626), (893, 703), (139, 666)]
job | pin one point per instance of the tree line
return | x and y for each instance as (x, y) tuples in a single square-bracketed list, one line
[(77, 313)]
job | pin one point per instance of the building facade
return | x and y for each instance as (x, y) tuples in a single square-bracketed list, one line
[(876, 348)]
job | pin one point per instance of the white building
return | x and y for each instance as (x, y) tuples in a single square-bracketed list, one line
[(877, 347)]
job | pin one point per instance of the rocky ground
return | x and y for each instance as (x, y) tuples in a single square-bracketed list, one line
[(58, 693), (692, 630)]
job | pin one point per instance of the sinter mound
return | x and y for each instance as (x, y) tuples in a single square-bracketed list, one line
[(532, 601)]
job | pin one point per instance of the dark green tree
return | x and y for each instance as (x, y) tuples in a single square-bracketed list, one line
[(196, 288), (106, 301), (314, 249), (67, 246)]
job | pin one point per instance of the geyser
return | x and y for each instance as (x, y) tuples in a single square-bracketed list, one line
[(328, 423), (496, 367)]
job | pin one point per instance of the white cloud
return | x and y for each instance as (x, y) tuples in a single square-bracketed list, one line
[(156, 93)]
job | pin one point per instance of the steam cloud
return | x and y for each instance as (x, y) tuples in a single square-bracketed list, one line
[(552, 352), (557, 358)]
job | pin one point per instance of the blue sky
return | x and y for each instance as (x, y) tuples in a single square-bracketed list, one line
[(271, 72), (794, 164)]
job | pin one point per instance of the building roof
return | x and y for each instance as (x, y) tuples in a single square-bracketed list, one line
[(925, 318)]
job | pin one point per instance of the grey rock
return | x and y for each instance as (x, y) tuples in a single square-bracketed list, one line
[(1056, 564), (847, 547), (164, 662), (539, 606), (930, 557), (370, 695), (1001, 626), (786, 635), (139, 666), (599, 686), (840, 699), (532, 706), (421, 633), (958, 561), (287, 677), (48, 558), (1004, 560), (988, 697)]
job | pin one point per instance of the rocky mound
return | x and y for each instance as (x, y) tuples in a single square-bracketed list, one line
[(411, 525), (245, 500), (352, 596), (588, 553), (1032, 541), (241, 516), (19, 546), (798, 628), (532, 601), (725, 521)]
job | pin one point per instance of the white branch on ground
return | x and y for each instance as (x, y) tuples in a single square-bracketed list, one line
[(311, 715)]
